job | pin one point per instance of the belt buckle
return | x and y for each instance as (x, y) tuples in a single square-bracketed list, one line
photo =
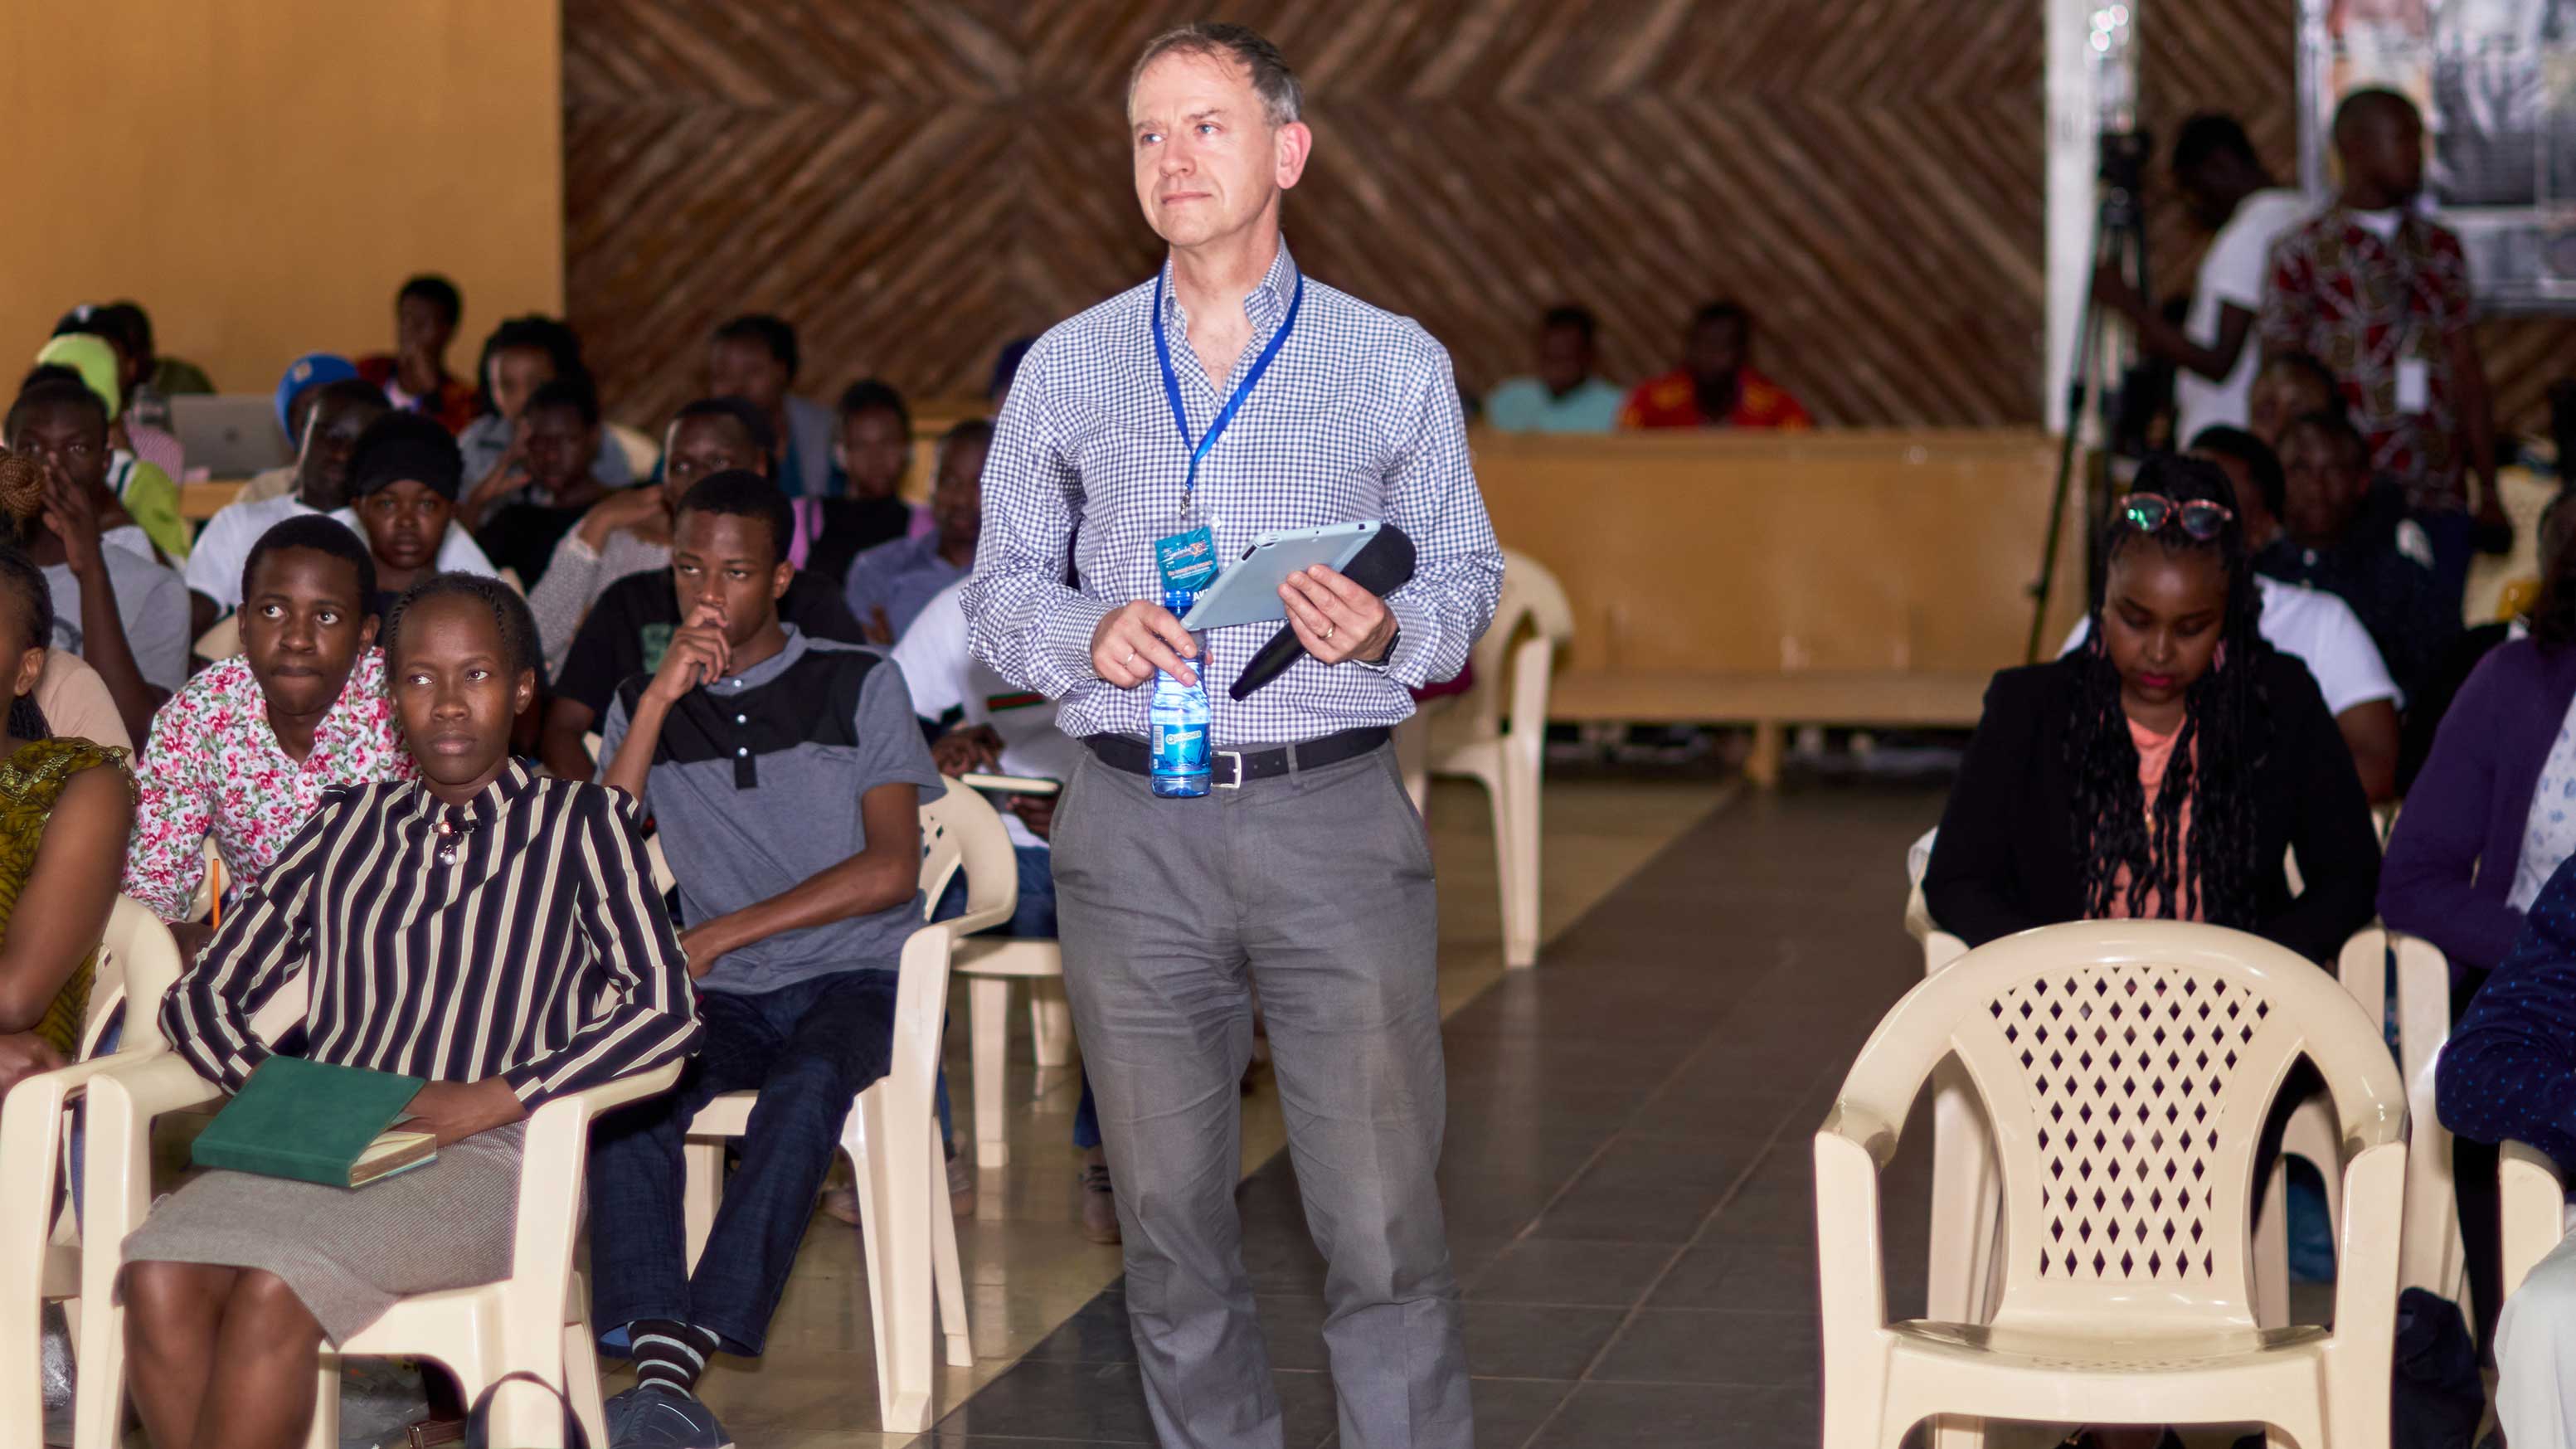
[(1237, 782)]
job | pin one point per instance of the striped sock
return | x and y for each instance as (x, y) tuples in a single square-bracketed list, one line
[(669, 1355)]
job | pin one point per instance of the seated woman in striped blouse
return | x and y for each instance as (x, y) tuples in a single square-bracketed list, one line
[(487, 929)]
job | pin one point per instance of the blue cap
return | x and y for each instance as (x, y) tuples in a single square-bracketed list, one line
[(313, 369)]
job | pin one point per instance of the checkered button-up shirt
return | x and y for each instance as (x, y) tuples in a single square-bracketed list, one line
[(1357, 418)]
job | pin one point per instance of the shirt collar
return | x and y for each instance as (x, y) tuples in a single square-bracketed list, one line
[(514, 781), (1266, 304), (769, 668)]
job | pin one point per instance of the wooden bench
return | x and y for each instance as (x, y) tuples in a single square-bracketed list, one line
[(1863, 578)]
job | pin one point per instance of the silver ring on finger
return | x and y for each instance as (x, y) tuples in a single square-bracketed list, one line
[(1328, 633), (1130, 659)]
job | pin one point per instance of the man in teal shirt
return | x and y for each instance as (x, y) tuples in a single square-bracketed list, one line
[(1564, 397)]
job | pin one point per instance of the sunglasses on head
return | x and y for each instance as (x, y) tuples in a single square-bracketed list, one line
[(2199, 518)]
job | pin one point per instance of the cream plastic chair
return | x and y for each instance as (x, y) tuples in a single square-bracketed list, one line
[(643, 455), (2127, 1066), (2535, 1210), (535, 1321), (991, 964), (907, 1234), (222, 639), (40, 1243), (1466, 735)]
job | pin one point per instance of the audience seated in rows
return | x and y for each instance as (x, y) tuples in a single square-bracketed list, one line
[(628, 632), (521, 356), (242, 754), (148, 379), (629, 531), (2488, 822), (336, 415), (890, 584), (2232, 196), (983, 723), (297, 390), (65, 804), (2316, 629), (143, 462), (557, 448), (529, 922), (414, 376), (2290, 386), (797, 922), (1717, 385), (2165, 767), (1565, 395), (2380, 292), (755, 357), (2351, 536), (403, 482), (114, 603), (871, 460)]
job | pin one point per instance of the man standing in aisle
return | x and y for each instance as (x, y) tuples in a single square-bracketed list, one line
[(1306, 872)]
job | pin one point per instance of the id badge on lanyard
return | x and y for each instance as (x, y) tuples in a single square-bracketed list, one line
[(1186, 557)]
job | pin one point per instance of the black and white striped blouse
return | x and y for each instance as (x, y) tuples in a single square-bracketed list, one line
[(518, 936)]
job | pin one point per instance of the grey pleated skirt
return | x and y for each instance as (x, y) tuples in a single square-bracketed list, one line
[(349, 1254)]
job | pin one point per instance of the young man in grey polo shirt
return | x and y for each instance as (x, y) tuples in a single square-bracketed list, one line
[(785, 774)]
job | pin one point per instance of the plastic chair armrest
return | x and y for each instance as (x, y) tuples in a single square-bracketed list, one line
[(152, 1083), (551, 1165), (1864, 1129), (2366, 1250), (1850, 1268), (1531, 664), (2535, 1209)]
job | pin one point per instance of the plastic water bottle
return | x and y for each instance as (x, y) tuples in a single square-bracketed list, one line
[(1177, 723)]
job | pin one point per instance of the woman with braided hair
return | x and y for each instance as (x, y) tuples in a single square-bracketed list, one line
[(65, 808), (2166, 766)]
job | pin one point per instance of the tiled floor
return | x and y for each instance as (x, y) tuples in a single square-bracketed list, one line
[(1627, 1175)]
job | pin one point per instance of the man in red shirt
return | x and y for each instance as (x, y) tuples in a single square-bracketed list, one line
[(1716, 386), (2380, 294), (414, 375)]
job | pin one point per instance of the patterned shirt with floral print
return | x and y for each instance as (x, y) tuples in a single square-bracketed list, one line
[(214, 767), (2365, 307)]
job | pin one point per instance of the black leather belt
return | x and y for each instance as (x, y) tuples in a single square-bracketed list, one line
[(1233, 769)]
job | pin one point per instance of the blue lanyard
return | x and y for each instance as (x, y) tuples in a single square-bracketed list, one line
[(1225, 415)]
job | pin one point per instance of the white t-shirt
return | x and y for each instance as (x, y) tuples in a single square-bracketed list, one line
[(2320, 631), (215, 563), (944, 676), (2234, 272)]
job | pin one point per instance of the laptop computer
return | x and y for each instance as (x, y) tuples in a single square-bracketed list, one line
[(230, 435)]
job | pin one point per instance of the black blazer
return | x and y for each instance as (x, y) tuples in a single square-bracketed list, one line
[(2005, 859)]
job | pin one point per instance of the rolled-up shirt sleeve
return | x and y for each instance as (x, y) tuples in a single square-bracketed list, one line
[(1458, 565), (1020, 617)]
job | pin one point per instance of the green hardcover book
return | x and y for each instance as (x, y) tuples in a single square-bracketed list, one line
[(314, 1122)]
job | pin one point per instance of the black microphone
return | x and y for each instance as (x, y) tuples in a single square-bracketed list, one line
[(1383, 565)]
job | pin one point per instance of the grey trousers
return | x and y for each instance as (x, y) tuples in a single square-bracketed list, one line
[(1316, 888)]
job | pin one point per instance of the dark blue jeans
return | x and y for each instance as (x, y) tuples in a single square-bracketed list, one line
[(1034, 918), (808, 1049)]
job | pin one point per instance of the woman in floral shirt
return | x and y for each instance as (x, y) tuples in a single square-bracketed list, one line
[(244, 751)]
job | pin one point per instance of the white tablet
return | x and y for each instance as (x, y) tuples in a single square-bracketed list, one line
[(1248, 591)]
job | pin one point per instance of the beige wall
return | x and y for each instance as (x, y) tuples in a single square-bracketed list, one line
[(261, 174)]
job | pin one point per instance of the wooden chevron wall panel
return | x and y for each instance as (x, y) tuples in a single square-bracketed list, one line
[(913, 183), (2240, 56)]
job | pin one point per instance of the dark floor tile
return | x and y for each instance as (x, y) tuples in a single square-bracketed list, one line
[(1293, 1328), (1088, 1402), (1754, 1276), (1307, 1416), (1648, 1192), (1534, 1341), (1549, 1270), (1508, 1411), (1713, 1346), (1096, 1333), (1669, 1416)]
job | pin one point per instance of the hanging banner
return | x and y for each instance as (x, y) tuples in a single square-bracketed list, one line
[(2496, 81)]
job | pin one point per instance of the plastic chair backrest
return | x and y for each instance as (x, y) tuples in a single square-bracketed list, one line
[(1532, 603), (961, 831), (2127, 1067), (137, 962)]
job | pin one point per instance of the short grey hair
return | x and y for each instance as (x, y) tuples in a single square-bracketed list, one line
[(1281, 96)]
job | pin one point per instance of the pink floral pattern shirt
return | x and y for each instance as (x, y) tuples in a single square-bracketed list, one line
[(214, 767)]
